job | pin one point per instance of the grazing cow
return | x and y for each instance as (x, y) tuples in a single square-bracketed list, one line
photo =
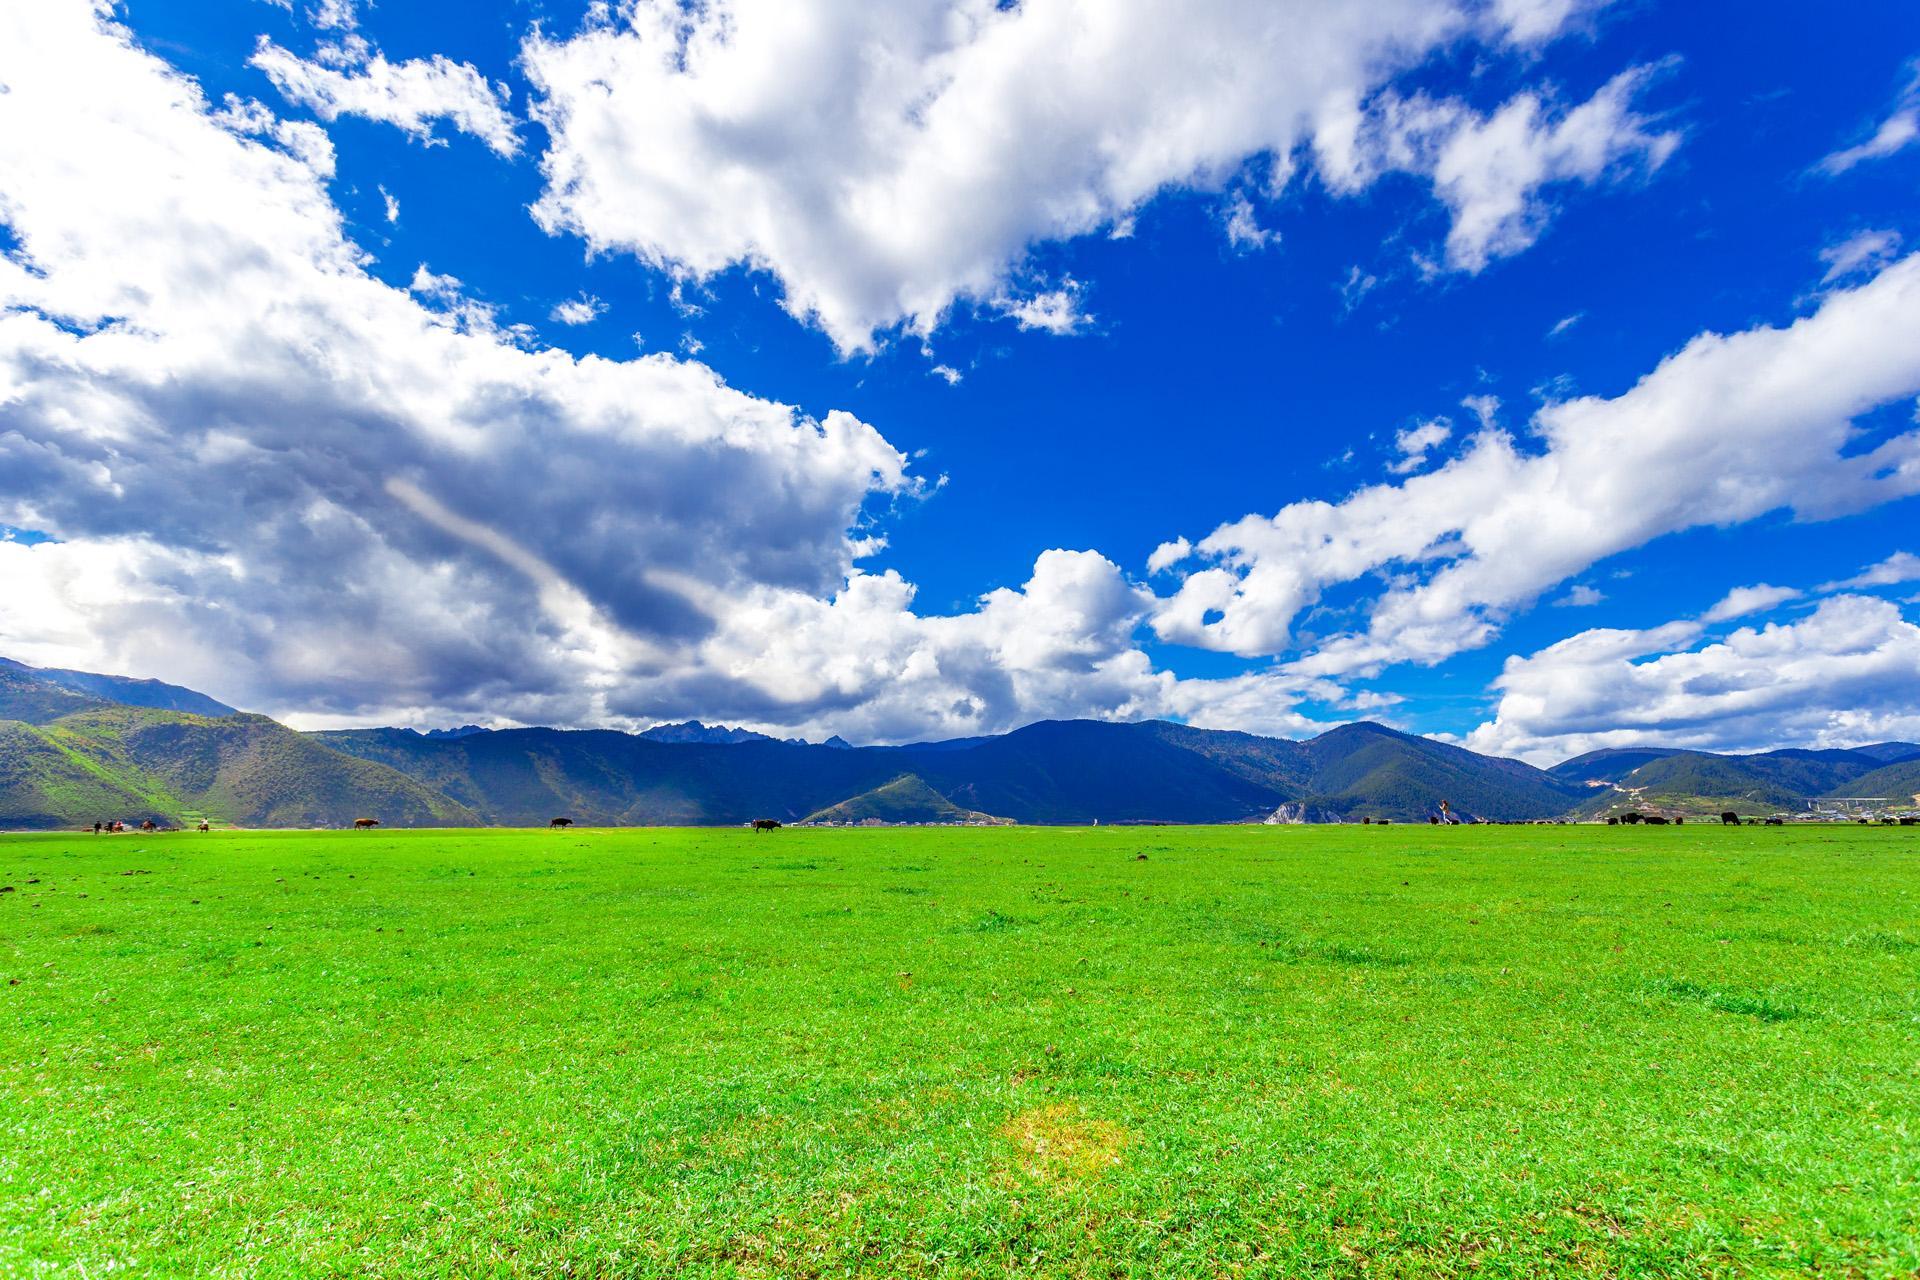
[(1366, 822), (558, 822), (1776, 822), (1431, 819), (1910, 822), (1630, 818), (1613, 822), (1729, 819), (365, 824), (1655, 821), (766, 824)]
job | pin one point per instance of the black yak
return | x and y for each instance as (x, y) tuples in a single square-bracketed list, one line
[(766, 824)]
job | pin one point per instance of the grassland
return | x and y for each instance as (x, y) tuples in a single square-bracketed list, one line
[(1253, 1052)]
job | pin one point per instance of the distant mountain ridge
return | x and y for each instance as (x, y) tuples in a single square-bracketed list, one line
[(1657, 778), (20, 684), (75, 747)]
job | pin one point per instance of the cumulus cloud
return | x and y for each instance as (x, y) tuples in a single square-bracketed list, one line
[(410, 95), (207, 400), (584, 309), (1168, 554), (887, 161), (1862, 251), (1727, 429), (1415, 442), (271, 475), (1742, 601), (1492, 171), (1847, 673), (1901, 566), (1895, 133), (1056, 311)]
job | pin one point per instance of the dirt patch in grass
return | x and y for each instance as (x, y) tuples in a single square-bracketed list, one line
[(1060, 1144)]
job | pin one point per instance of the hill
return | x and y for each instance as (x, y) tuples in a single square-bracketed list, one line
[(906, 799), (1698, 782), (46, 784), (122, 690), (31, 700), (1891, 752), (129, 763), (1367, 769), (71, 755), (1071, 771), (598, 777), (1610, 764), (1899, 783)]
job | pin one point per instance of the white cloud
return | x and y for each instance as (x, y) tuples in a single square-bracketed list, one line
[(1727, 429), (410, 95), (948, 372), (1416, 442), (1357, 286), (887, 161), (1581, 596), (1562, 325), (339, 15), (584, 309), (1244, 231), (1055, 311), (392, 204), (1847, 673), (1741, 601), (1864, 251), (1492, 170), (1532, 21), (275, 477), (209, 401), (1901, 566), (1895, 133), (1168, 554)]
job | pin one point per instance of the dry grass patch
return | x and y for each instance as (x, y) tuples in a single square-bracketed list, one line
[(1061, 1144)]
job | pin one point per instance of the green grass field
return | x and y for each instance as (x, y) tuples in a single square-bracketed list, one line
[(1259, 1052)]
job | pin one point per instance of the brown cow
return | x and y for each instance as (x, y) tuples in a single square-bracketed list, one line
[(363, 824)]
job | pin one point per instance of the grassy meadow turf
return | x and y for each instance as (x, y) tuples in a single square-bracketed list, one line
[(1259, 1052)]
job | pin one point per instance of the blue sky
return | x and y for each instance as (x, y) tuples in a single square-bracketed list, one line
[(1063, 320)]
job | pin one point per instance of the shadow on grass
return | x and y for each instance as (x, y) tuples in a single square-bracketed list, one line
[(1729, 1001)]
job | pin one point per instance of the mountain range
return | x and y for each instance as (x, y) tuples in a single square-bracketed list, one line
[(76, 747)]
